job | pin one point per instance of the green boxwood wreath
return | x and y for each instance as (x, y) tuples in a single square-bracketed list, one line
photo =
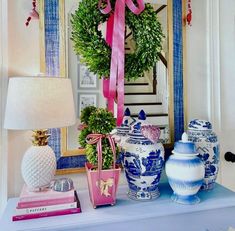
[(95, 52)]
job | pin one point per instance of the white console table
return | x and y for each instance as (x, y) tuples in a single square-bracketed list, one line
[(216, 212)]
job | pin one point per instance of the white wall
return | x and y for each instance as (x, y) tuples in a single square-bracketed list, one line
[(23, 59), (196, 69), (3, 87)]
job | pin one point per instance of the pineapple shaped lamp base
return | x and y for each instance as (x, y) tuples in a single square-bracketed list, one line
[(39, 162)]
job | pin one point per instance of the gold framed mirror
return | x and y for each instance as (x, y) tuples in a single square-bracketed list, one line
[(58, 58)]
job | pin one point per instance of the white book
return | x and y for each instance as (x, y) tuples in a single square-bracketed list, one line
[(48, 208)]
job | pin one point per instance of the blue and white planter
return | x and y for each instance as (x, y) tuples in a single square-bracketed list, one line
[(207, 145), (143, 161), (185, 172)]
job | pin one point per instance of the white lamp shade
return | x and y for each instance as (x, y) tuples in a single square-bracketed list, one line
[(39, 103)]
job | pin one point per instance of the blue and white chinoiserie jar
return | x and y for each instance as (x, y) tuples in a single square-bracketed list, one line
[(207, 145), (185, 172), (143, 161)]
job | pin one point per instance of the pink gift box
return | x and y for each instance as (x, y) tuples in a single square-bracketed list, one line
[(102, 186)]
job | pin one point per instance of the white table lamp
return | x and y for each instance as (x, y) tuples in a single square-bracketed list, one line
[(39, 103)]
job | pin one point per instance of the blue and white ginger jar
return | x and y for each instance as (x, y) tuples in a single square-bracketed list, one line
[(143, 161), (185, 172), (207, 145)]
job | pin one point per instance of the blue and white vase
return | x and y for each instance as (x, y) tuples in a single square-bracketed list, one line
[(185, 172), (143, 161), (207, 145)]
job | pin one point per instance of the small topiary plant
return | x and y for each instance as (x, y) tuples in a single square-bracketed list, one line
[(85, 114), (98, 121), (82, 136), (101, 121), (107, 154)]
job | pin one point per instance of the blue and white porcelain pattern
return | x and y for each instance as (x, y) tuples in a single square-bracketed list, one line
[(143, 162), (185, 172), (207, 145)]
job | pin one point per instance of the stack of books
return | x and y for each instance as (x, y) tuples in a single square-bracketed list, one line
[(45, 203)]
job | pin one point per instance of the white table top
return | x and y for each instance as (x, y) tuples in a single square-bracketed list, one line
[(215, 212)]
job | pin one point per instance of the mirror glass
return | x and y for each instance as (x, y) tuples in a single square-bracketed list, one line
[(150, 92)]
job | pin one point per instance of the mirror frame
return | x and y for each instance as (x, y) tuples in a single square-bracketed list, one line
[(53, 34)]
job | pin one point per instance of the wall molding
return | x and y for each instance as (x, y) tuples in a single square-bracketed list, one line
[(3, 90), (213, 61)]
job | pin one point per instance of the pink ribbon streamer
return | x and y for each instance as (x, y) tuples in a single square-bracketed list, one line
[(116, 31)]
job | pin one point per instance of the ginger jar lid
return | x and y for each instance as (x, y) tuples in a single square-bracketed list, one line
[(137, 125), (127, 121), (184, 146), (200, 125), (143, 132)]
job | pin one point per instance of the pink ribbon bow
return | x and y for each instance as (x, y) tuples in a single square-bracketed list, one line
[(115, 37), (97, 139)]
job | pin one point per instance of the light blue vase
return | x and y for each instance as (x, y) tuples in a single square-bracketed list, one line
[(185, 172), (143, 161)]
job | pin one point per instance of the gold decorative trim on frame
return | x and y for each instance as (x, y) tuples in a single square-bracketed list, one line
[(62, 38), (70, 171), (64, 151)]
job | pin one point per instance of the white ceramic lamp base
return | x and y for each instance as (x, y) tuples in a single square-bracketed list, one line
[(38, 167)]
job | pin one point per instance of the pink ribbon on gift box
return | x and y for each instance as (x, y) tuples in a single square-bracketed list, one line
[(115, 37)]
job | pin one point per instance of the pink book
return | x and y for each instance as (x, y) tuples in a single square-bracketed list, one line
[(47, 194), (46, 214), (46, 208), (48, 202), (44, 198), (49, 214)]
